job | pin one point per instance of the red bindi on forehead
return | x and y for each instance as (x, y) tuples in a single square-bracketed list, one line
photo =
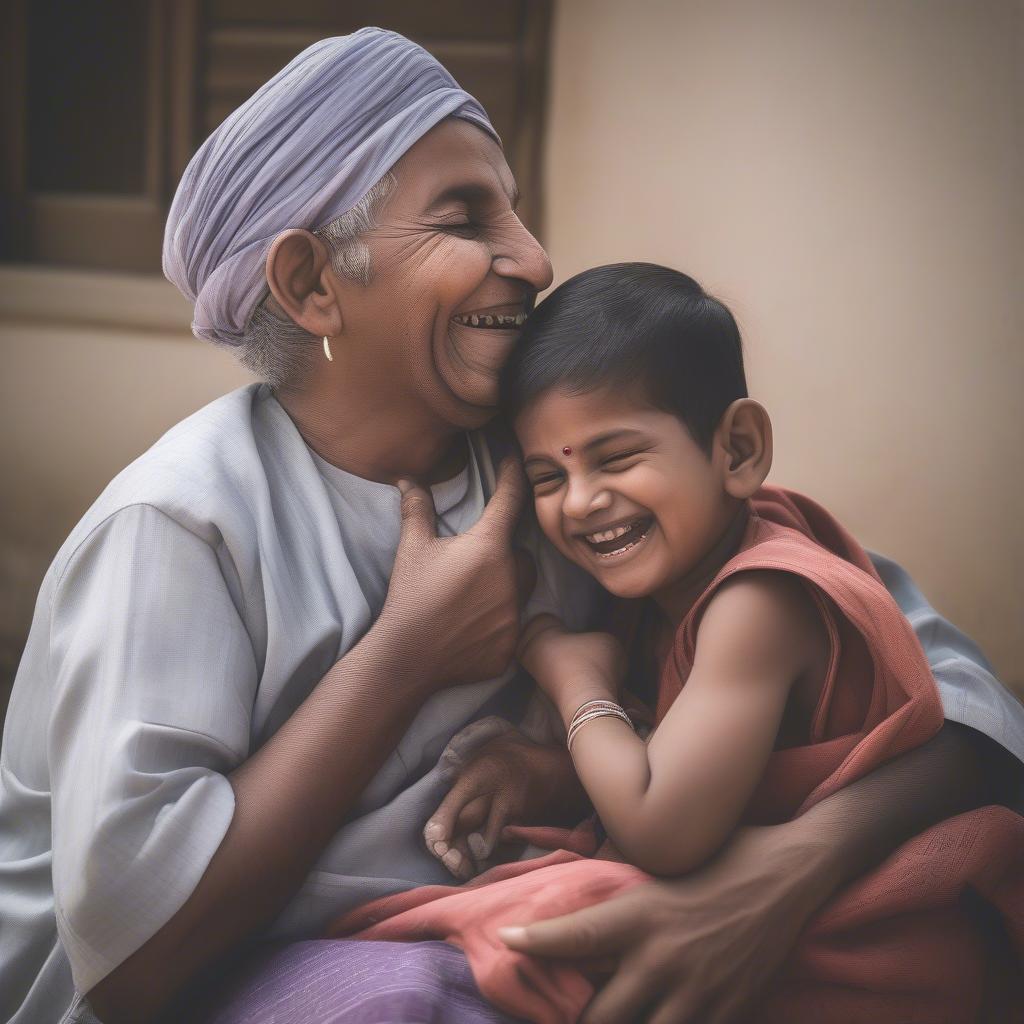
[(567, 450)]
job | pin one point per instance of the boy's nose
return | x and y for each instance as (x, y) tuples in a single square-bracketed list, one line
[(582, 501)]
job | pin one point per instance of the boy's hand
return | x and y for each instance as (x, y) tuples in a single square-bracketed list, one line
[(571, 667), (510, 780)]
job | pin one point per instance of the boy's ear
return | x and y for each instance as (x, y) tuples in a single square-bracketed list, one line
[(744, 440), (298, 275)]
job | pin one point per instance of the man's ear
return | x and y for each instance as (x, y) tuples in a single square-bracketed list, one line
[(744, 440), (300, 279)]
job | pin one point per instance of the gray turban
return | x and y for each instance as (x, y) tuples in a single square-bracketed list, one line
[(300, 152)]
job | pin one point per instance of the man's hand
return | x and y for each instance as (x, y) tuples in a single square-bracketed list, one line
[(453, 602), (510, 780), (696, 949)]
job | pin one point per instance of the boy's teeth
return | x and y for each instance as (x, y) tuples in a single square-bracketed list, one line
[(599, 538)]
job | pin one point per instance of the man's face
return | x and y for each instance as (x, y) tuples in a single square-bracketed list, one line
[(453, 274)]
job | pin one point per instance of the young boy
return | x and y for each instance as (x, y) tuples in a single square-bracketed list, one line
[(778, 667)]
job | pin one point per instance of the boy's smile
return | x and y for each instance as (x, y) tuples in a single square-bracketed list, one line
[(635, 502), (616, 539)]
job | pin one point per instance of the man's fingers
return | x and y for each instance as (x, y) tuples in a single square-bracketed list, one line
[(602, 930), (418, 514), (440, 830), (625, 996), (473, 815), (487, 840), (599, 966), (728, 1009), (458, 860), (679, 1008), (502, 512), (526, 576)]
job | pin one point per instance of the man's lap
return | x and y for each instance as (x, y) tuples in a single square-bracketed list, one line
[(355, 982)]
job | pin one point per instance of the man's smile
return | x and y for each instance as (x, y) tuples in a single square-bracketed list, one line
[(508, 316), (492, 321)]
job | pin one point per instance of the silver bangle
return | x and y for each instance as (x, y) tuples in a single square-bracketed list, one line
[(591, 710)]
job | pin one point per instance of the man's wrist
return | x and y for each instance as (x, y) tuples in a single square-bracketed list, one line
[(827, 852), (827, 858), (806, 868), (397, 659)]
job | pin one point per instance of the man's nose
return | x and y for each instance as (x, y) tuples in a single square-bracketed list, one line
[(582, 499), (523, 257)]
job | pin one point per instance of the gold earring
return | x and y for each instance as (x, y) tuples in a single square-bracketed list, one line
[(327, 350)]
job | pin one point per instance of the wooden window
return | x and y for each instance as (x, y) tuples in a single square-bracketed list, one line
[(107, 93), (104, 102)]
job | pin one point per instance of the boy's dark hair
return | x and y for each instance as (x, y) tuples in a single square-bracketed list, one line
[(632, 323)]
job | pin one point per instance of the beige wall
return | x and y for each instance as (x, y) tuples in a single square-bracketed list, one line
[(848, 176), (78, 401)]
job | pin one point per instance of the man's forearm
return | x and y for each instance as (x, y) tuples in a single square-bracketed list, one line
[(290, 798), (856, 828)]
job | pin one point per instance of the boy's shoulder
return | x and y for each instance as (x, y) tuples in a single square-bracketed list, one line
[(759, 620), (794, 556)]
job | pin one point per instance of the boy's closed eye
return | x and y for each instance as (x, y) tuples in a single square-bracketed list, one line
[(545, 482), (618, 462)]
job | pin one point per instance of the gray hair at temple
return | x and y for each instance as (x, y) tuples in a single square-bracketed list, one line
[(274, 347)]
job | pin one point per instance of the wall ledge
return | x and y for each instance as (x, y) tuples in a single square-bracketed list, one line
[(57, 295)]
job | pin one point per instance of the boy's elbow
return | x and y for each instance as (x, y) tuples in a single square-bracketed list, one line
[(670, 864), (678, 855)]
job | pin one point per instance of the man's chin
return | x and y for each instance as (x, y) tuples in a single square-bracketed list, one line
[(473, 361), (476, 393)]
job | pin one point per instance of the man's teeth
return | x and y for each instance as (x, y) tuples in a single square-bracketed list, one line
[(491, 320), (606, 535)]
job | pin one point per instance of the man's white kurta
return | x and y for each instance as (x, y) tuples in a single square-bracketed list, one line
[(191, 611)]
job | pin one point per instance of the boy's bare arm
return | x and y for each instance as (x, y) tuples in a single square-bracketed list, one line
[(669, 804)]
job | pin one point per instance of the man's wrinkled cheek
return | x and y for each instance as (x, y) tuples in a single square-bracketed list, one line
[(405, 253), (460, 266)]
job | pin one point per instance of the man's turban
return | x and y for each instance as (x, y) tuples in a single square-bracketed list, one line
[(301, 151)]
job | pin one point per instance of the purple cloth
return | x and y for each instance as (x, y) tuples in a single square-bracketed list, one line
[(349, 981), (304, 149)]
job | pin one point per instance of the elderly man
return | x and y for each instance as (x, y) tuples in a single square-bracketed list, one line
[(248, 659)]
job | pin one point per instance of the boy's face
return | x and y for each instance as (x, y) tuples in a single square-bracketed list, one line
[(622, 489)]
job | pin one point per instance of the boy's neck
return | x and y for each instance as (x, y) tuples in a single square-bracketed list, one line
[(677, 598)]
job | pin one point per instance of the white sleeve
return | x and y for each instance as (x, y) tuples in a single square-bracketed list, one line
[(970, 692), (154, 681)]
